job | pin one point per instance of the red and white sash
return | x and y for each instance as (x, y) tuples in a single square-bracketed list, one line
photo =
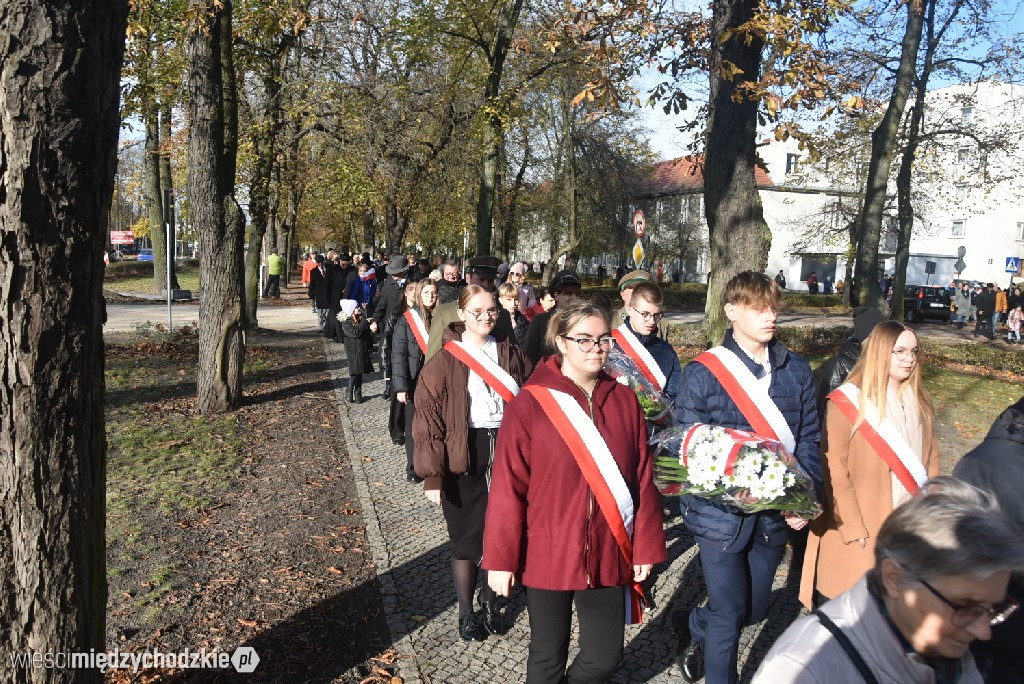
[(496, 377), (632, 347), (419, 330), (883, 437), (750, 396), (602, 474)]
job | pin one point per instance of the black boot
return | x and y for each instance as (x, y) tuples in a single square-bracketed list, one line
[(493, 620), (351, 391), (358, 397)]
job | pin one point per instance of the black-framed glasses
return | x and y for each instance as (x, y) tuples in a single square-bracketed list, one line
[(586, 344), (967, 614), (647, 316)]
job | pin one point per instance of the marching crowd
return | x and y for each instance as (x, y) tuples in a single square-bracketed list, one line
[(541, 464)]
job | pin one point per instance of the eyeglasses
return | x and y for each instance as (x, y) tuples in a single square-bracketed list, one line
[(481, 314), (648, 316), (586, 344), (905, 353), (966, 615)]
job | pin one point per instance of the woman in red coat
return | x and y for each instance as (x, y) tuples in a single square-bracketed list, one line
[(573, 512)]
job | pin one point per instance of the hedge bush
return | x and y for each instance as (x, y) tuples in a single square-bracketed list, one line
[(824, 341), (117, 270)]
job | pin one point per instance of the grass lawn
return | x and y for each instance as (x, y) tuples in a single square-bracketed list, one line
[(188, 279), (164, 462)]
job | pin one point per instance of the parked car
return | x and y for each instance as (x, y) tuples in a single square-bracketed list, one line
[(145, 255), (925, 301)]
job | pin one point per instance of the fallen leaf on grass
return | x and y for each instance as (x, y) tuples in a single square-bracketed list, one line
[(253, 624), (335, 570)]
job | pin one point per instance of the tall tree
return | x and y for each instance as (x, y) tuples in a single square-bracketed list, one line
[(739, 237), (58, 145), (883, 152), (213, 150)]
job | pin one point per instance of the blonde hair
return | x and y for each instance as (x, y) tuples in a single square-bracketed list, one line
[(508, 290), (871, 373)]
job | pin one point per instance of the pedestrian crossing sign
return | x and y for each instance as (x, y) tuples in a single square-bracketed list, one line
[(1012, 264)]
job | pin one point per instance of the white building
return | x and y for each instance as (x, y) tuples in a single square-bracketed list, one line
[(968, 194)]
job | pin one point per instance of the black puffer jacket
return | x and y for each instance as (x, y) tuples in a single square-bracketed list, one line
[(836, 369), (406, 357), (997, 464), (358, 342)]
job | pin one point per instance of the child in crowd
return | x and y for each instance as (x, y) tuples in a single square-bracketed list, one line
[(358, 343), (508, 298)]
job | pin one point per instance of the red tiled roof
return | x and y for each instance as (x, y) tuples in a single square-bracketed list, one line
[(684, 173)]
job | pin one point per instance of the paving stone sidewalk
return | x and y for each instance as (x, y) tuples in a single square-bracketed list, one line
[(410, 547)]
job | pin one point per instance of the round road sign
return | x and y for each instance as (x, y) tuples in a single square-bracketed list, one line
[(639, 223)]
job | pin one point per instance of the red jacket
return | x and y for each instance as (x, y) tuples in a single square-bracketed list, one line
[(542, 520)]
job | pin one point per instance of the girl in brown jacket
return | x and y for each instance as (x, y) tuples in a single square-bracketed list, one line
[(459, 401), (879, 446)]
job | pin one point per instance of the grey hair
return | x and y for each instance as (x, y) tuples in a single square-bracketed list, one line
[(951, 529)]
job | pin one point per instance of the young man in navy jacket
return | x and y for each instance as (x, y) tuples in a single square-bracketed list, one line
[(739, 552)]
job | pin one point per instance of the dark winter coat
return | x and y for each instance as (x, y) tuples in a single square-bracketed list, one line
[(448, 292), (318, 288), (521, 329), (702, 399), (997, 464), (542, 520), (834, 373), (406, 357), (358, 342), (336, 277), (985, 303), (440, 429), (536, 346), (389, 298), (1013, 301)]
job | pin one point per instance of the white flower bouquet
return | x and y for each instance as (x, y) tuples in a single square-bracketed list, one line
[(733, 467)]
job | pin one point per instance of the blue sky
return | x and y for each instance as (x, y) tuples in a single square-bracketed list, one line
[(667, 142)]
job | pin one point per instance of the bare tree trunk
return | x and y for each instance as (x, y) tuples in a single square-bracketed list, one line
[(883, 151), (167, 187), (740, 238), (508, 18), (213, 140), (904, 177), (59, 121), (259, 191)]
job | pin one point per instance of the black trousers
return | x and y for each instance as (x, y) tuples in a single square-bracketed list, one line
[(410, 415), (602, 619)]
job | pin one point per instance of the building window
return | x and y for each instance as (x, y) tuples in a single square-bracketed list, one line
[(958, 229), (961, 193), (967, 116), (792, 161), (1020, 230), (963, 156)]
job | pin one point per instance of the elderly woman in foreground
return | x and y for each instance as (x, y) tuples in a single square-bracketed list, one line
[(942, 564)]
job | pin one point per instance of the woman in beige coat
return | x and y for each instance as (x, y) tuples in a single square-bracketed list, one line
[(883, 398)]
